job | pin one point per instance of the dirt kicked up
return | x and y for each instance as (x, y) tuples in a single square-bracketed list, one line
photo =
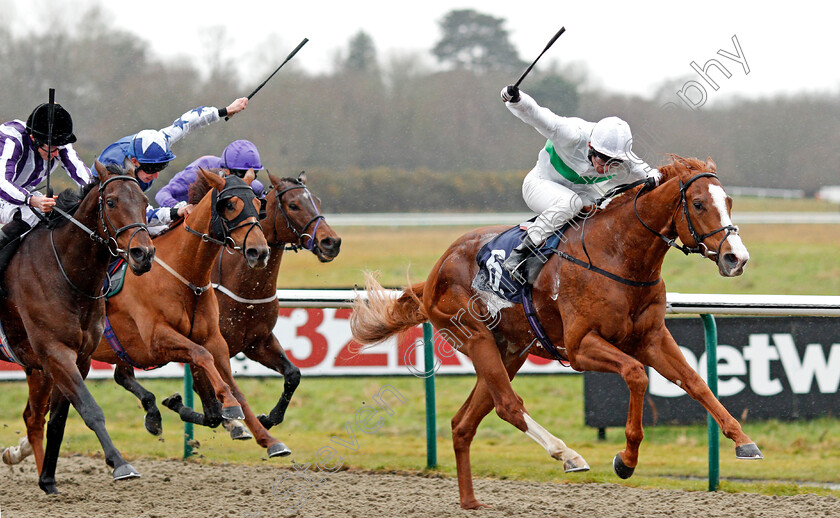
[(172, 488)]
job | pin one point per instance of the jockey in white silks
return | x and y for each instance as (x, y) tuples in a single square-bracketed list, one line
[(579, 163)]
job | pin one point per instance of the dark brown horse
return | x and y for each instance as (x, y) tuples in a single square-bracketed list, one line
[(248, 307), (54, 312), (609, 319)]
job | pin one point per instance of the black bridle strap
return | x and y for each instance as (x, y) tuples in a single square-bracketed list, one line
[(729, 229), (97, 238), (105, 288), (300, 234)]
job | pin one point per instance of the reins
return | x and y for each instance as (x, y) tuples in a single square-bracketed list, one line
[(114, 250), (701, 248)]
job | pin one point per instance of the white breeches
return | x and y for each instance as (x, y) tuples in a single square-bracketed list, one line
[(555, 203), (7, 210)]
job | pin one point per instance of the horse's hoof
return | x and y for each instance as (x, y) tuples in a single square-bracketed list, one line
[(238, 431), (622, 470), (173, 402), (278, 449), (125, 471), (153, 424), (575, 465), (233, 412), (265, 421), (48, 487), (748, 452)]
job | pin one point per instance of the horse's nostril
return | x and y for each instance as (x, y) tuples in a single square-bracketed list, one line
[(730, 259), (331, 244), (137, 254)]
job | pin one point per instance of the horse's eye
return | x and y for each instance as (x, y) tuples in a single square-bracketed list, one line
[(698, 204), (229, 205), (110, 203), (294, 206)]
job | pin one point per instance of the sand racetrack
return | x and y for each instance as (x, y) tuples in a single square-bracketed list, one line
[(173, 488)]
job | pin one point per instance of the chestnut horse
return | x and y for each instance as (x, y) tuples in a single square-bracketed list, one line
[(248, 307), (53, 314), (607, 315)]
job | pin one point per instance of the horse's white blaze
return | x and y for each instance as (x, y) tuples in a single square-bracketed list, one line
[(554, 446), (736, 246)]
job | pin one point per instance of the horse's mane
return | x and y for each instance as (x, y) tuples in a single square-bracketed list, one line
[(70, 199), (677, 167), (198, 189)]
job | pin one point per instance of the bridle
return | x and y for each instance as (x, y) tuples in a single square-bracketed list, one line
[(109, 241), (701, 247), (300, 233), (221, 228)]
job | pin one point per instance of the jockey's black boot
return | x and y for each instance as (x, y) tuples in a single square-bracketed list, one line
[(516, 260)]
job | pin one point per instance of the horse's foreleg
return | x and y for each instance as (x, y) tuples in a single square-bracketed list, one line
[(669, 361), (596, 354), (124, 376), (68, 379), (55, 434), (271, 354), (212, 416), (181, 349), (221, 354)]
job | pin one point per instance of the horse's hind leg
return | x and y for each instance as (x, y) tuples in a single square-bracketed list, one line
[(494, 390), (464, 424), (670, 363), (124, 376), (34, 416), (270, 353)]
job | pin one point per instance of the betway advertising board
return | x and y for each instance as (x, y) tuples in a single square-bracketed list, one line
[(768, 367), (320, 343)]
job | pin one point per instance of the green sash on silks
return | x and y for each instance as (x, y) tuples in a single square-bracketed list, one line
[(567, 172)]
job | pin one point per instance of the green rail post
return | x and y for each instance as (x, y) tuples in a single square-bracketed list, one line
[(188, 401), (712, 380), (429, 365)]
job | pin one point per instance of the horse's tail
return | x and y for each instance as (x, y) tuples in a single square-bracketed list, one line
[(382, 315)]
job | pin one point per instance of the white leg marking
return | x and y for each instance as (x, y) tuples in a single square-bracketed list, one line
[(15, 454)]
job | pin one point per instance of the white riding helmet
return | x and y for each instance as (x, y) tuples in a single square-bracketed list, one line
[(611, 137)]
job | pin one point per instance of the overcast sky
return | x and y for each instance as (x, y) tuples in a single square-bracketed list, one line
[(627, 47)]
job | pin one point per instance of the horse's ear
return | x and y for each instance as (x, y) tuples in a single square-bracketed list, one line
[(302, 177), (101, 170), (275, 180), (212, 179), (710, 165), (250, 176)]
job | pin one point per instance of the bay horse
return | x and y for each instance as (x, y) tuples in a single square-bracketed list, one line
[(54, 311), (248, 307), (601, 305)]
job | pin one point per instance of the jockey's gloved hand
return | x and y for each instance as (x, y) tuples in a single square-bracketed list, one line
[(510, 94), (653, 179)]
